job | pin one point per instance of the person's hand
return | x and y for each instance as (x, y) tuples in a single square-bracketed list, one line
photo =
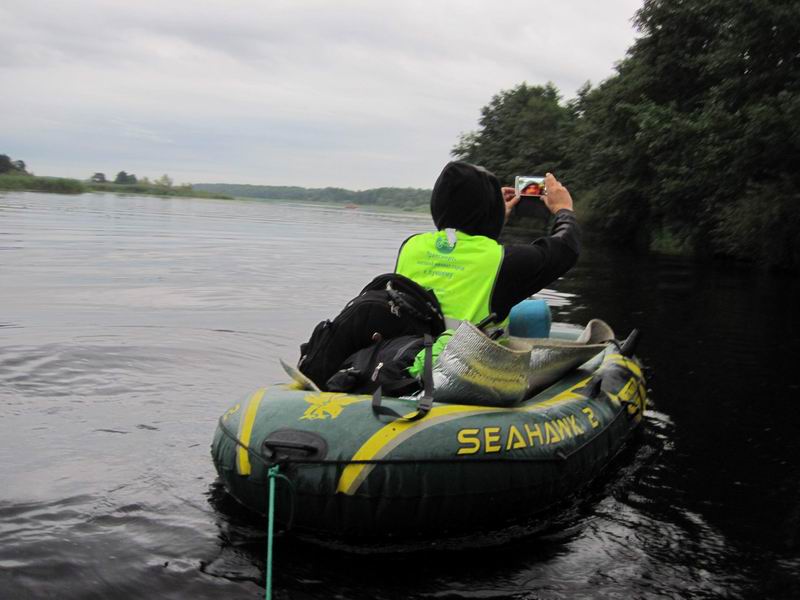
[(510, 198), (557, 196)]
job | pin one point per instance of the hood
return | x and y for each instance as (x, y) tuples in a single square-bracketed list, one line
[(468, 198)]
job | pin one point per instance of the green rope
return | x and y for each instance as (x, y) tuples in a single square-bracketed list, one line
[(272, 474)]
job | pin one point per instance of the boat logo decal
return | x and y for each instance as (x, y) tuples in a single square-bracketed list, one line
[(522, 435), (327, 405)]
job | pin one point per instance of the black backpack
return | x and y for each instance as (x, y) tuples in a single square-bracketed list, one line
[(390, 306), (383, 364)]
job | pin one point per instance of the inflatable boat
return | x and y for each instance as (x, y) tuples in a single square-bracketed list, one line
[(350, 473)]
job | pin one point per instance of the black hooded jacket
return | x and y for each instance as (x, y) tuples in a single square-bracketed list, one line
[(468, 198)]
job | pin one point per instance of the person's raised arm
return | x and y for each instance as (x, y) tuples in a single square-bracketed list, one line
[(527, 268), (556, 196), (511, 199)]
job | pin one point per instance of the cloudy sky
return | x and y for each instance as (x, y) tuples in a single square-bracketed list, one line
[(355, 94)]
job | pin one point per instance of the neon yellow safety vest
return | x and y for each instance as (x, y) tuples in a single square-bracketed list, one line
[(461, 269)]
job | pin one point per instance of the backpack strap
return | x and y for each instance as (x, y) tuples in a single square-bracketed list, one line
[(425, 402)]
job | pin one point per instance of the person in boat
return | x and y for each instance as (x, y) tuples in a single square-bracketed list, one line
[(476, 278)]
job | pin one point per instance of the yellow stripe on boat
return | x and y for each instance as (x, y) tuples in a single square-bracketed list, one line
[(246, 430), (624, 361), (392, 435), (386, 439), (565, 396)]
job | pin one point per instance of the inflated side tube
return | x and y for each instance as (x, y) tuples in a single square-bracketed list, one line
[(459, 468)]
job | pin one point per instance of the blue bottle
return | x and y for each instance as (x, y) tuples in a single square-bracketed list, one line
[(530, 319)]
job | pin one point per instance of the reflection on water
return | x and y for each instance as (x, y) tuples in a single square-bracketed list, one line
[(128, 324)]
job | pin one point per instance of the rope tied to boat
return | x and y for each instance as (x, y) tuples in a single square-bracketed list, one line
[(273, 474)]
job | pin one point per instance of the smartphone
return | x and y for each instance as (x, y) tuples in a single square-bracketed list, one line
[(529, 186), (530, 189)]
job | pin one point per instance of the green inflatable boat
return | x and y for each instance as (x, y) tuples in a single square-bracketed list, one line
[(460, 468)]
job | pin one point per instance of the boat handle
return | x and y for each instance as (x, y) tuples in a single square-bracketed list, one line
[(290, 445)]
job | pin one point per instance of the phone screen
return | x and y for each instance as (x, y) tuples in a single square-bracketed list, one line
[(529, 185)]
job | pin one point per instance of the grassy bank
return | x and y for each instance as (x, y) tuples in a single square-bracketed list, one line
[(60, 185), (153, 190), (31, 183)]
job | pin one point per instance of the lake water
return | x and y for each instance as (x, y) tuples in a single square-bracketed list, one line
[(128, 324)]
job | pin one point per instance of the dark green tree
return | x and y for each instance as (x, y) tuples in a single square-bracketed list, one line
[(693, 144), (11, 166), (697, 135), (124, 178), (522, 131)]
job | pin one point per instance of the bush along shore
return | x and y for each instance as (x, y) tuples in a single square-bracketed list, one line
[(31, 183), (60, 185), (154, 190), (14, 176)]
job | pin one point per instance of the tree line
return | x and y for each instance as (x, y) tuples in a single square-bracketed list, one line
[(15, 176), (9, 166), (403, 198), (692, 146), (124, 178)]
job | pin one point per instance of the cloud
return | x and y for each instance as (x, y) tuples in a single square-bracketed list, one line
[(355, 94)]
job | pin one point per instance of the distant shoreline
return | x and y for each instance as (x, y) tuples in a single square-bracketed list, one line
[(397, 199), (18, 182), (380, 199)]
